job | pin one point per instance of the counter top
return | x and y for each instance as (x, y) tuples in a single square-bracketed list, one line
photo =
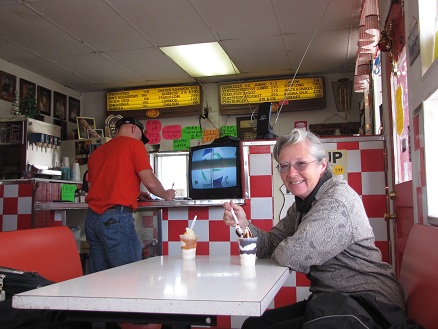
[(142, 205), (46, 180)]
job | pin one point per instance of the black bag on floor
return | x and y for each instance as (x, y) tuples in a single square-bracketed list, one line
[(16, 281), (338, 311)]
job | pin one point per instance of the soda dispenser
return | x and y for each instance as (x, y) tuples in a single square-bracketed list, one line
[(29, 146)]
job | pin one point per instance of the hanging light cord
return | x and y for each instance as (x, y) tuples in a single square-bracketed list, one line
[(301, 61)]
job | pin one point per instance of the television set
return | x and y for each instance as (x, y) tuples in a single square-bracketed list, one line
[(215, 171)]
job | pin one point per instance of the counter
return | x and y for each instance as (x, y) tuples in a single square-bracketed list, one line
[(19, 197), (37, 179), (142, 205), (148, 218)]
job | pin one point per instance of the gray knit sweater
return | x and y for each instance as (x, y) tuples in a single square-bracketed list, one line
[(333, 245)]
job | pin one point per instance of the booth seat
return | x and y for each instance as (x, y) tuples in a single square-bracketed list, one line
[(419, 273), (51, 252)]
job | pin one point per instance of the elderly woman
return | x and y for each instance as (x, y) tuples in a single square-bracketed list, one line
[(326, 234)]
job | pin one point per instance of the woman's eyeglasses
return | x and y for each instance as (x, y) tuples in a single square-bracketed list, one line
[(299, 166)]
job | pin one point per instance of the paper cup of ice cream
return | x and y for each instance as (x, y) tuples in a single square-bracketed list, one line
[(247, 251)]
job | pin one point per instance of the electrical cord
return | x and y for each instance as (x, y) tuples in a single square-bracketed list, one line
[(284, 202), (301, 61), (293, 78)]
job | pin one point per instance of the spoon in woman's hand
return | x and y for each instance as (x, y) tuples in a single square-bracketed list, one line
[(239, 230)]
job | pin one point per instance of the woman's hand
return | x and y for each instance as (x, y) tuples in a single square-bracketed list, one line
[(240, 214)]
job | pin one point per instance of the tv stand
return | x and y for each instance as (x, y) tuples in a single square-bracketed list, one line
[(267, 135), (226, 139), (264, 129)]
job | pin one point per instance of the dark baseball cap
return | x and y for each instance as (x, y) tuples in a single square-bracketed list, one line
[(133, 121)]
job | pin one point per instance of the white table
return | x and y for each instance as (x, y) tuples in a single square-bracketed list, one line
[(205, 287)]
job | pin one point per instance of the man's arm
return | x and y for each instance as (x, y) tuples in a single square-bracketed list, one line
[(152, 183)]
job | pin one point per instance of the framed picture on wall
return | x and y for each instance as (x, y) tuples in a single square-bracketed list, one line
[(84, 124), (25, 87), (95, 133), (60, 105), (74, 109), (44, 99), (9, 83)]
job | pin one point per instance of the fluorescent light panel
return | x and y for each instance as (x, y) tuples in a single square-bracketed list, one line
[(201, 59)]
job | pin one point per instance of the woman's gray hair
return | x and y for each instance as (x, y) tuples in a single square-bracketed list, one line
[(298, 135)]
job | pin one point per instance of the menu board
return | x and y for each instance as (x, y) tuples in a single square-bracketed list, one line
[(153, 98), (291, 94), (271, 91)]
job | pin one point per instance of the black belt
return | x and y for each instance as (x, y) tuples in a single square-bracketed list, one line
[(121, 208)]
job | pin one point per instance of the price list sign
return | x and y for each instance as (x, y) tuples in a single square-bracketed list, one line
[(271, 91), (153, 98)]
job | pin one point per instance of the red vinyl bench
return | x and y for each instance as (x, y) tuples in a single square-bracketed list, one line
[(52, 252), (419, 273)]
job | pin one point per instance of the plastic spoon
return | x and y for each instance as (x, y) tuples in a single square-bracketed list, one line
[(239, 231), (193, 222)]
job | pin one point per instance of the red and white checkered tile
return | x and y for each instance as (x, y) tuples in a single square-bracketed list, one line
[(15, 206)]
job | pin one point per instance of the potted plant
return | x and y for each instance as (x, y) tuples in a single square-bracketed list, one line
[(26, 106)]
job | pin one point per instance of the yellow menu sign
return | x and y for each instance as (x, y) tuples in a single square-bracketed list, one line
[(271, 91), (153, 98)]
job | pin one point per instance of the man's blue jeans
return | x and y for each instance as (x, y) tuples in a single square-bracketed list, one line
[(112, 239)]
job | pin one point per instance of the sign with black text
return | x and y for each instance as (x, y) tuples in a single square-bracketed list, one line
[(271, 91), (289, 94), (153, 98), (338, 160)]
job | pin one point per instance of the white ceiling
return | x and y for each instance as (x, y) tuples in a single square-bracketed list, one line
[(101, 45)]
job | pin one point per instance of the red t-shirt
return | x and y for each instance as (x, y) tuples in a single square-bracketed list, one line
[(112, 173)]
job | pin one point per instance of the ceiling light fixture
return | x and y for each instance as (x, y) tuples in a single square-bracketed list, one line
[(202, 59)]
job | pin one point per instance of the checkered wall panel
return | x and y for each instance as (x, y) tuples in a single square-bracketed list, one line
[(15, 206), (17, 200), (367, 176)]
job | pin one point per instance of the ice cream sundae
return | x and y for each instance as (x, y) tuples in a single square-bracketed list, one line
[(247, 233), (188, 244), (247, 248)]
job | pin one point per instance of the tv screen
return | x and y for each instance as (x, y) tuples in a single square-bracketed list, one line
[(215, 171)]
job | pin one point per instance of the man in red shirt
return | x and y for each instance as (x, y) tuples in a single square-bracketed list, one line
[(115, 171)]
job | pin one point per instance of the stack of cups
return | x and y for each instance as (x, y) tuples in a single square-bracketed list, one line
[(66, 162), (247, 251), (65, 169), (76, 172)]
